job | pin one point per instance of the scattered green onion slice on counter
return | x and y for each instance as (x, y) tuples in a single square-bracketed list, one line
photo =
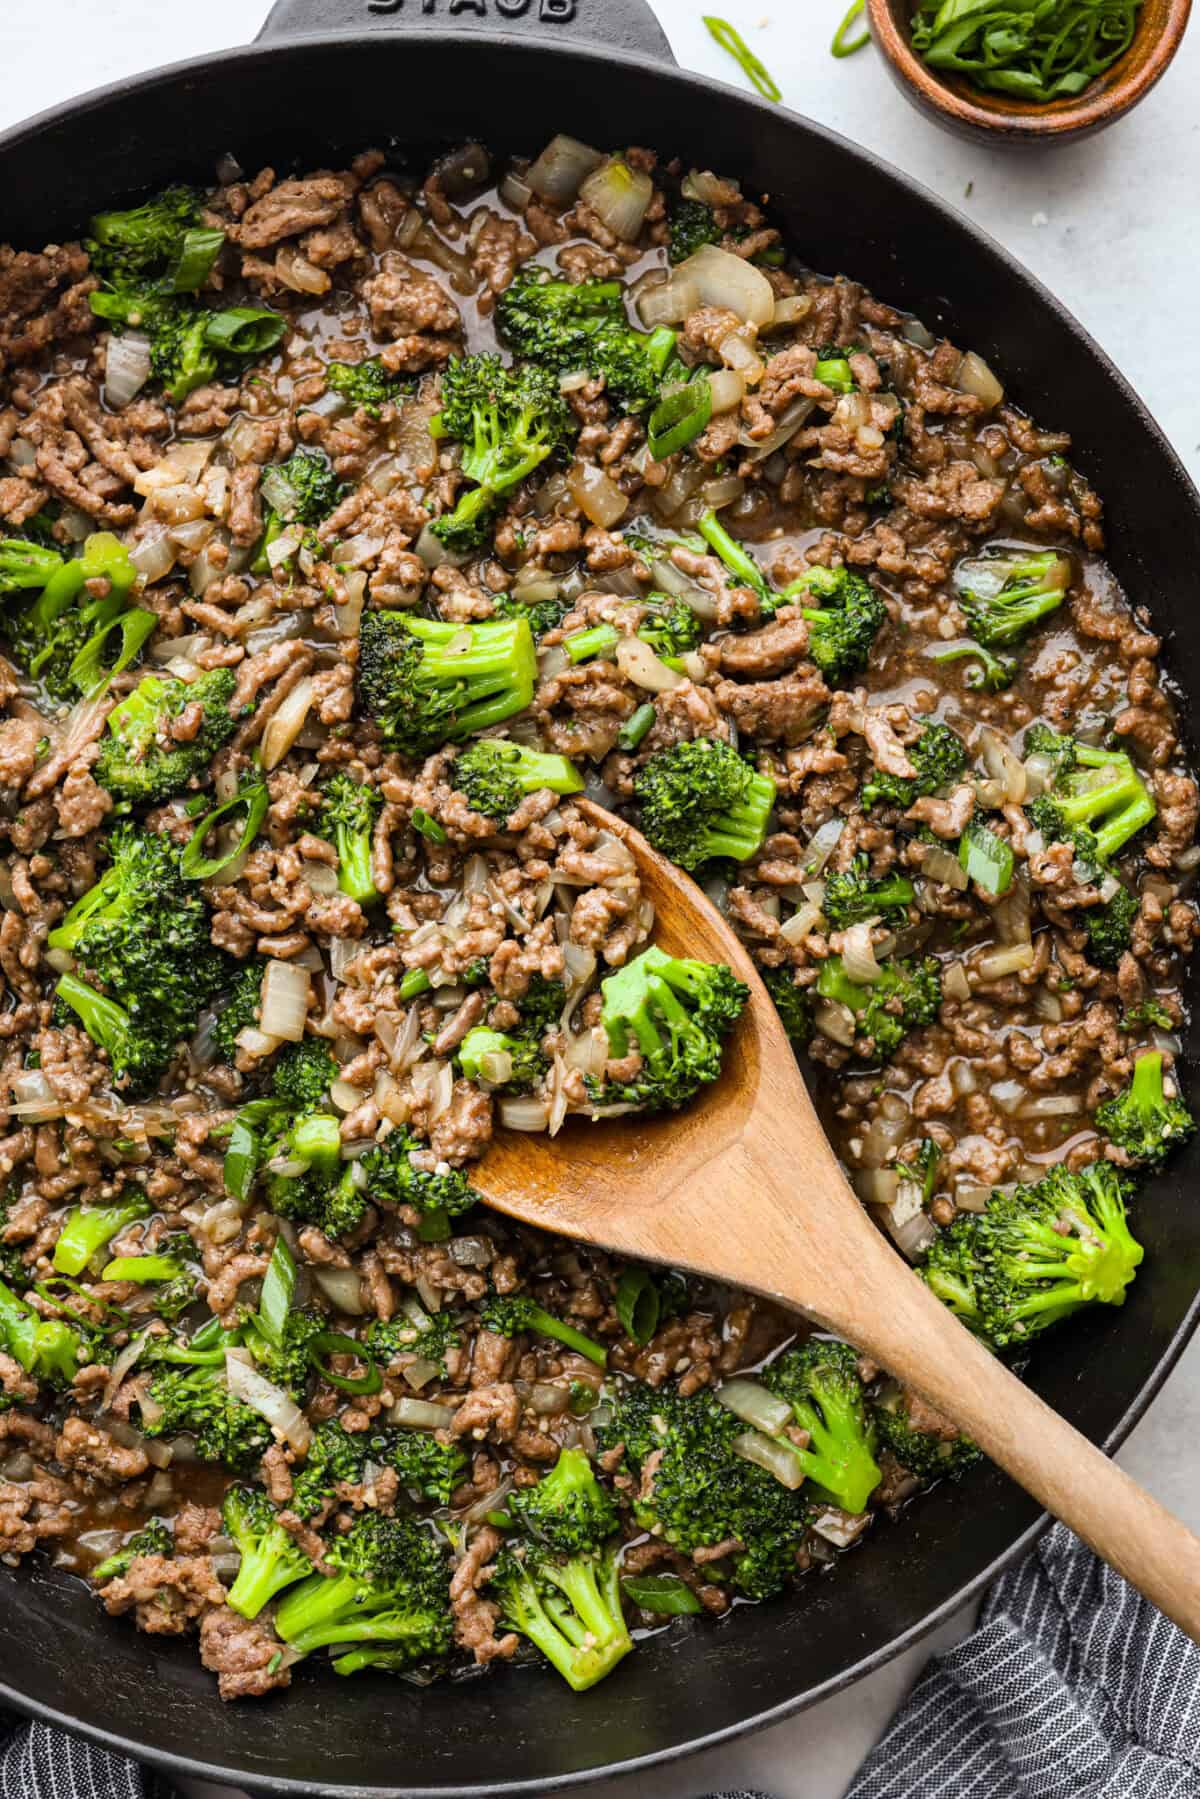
[(731, 39), (846, 46)]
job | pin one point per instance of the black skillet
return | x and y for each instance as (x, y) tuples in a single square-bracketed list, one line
[(328, 77)]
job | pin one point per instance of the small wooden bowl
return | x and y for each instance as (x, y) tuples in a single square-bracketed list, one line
[(951, 101)]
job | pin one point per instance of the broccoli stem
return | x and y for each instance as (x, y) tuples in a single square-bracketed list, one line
[(737, 560), (87, 1230), (549, 1326), (581, 646)]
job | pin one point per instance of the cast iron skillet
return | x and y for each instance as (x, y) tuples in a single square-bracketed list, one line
[(329, 76)]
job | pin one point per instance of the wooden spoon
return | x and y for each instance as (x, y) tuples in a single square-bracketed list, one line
[(744, 1187)]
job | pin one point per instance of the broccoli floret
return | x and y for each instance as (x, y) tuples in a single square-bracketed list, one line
[(700, 800), (843, 626), (25, 565), (142, 243), (349, 809), (565, 326), (139, 759), (425, 1466), (792, 1003), (540, 615), (326, 1192), (390, 1586), (47, 1348), (240, 1011), (675, 1013), (288, 1363), (196, 1401), (496, 774), (692, 226), (853, 896), (1037, 1254), (1109, 927), (695, 1490), (993, 673), (1146, 1015), (271, 1558), (741, 564), (568, 1510), (1142, 1120), (541, 1006), (426, 682), (930, 1454), (939, 758), (334, 1455), (507, 1314), (508, 421), (89, 1228), (820, 1382), (367, 384), (154, 1538), (304, 489), (13, 1267), (906, 996), (414, 1332), (61, 636), (670, 627), (392, 1181), (303, 1073), (506, 1063), (1097, 801), (1004, 594), (143, 931)]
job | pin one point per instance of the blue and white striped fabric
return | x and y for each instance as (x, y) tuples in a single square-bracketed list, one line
[(1072, 1687)]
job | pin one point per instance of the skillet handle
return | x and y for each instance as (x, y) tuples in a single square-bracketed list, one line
[(626, 25)]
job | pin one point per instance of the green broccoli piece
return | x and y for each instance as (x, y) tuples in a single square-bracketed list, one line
[(930, 1454), (390, 1587), (821, 1384), (88, 1229), (921, 1168), (425, 1467), (334, 1455), (154, 1538), (13, 1267), (1097, 801), (1002, 595), (741, 564), (349, 810), (1143, 1120), (195, 1401), (143, 931), (670, 627), (568, 1510), (508, 422), (271, 1558), (700, 800), (61, 636), (793, 1004), (304, 489), (540, 615), (426, 682), (844, 626), (993, 674), (496, 774), (303, 1073), (1037, 1254), (241, 1009), (143, 242), (907, 995), (392, 1181), (367, 384), (508, 1314), (140, 762), (541, 1006), (288, 1363), (324, 1190), (414, 1332), (675, 1013), (1109, 927), (1148, 1014), (47, 1348), (853, 896), (566, 326), (508, 1064), (25, 565), (939, 758), (692, 226)]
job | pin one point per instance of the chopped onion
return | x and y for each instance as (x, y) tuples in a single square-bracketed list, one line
[(126, 368), (560, 170), (840, 1528), (345, 1097), (286, 991), (36, 1100), (269, 1401), (997, 963), (515, 192), (858, 954), (597, 494), (802, 923), (362, 548), (1008, 1095), (1053, 1105), (121, 1367), (972, 1198), (941, 865), (524, 1114), (739, 352), (619, 196), (790, 308), (342, 1287), (822, 844), (285, 725), (728, 388), (758, 449), (672, 580), (836, 1022), (955, 984), (665, 302), (1000, 762), (754, 1405), (913, 1235), (639, 664), (975, 377), (775, 1457), (421, 1414), (721, 492), (722, 279), (154, 557)]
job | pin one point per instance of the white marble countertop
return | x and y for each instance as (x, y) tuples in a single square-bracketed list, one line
[(1108, 225)]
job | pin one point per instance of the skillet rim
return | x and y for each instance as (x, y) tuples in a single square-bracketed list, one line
[(264, 49)]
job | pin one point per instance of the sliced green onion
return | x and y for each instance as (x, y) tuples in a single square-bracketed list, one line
[(275, 1301), (414, 982), (244, 330), (581, 646), (660, 346), (334, 1343), (636, 727), (988, 859), (679, 417), (428, 826), (87, 670), (195, 865), (142, 1268), (666, 1594), (197, 253), (241, 1159), (834, 371), (638, 1304), (843, 46), (732, 40)]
